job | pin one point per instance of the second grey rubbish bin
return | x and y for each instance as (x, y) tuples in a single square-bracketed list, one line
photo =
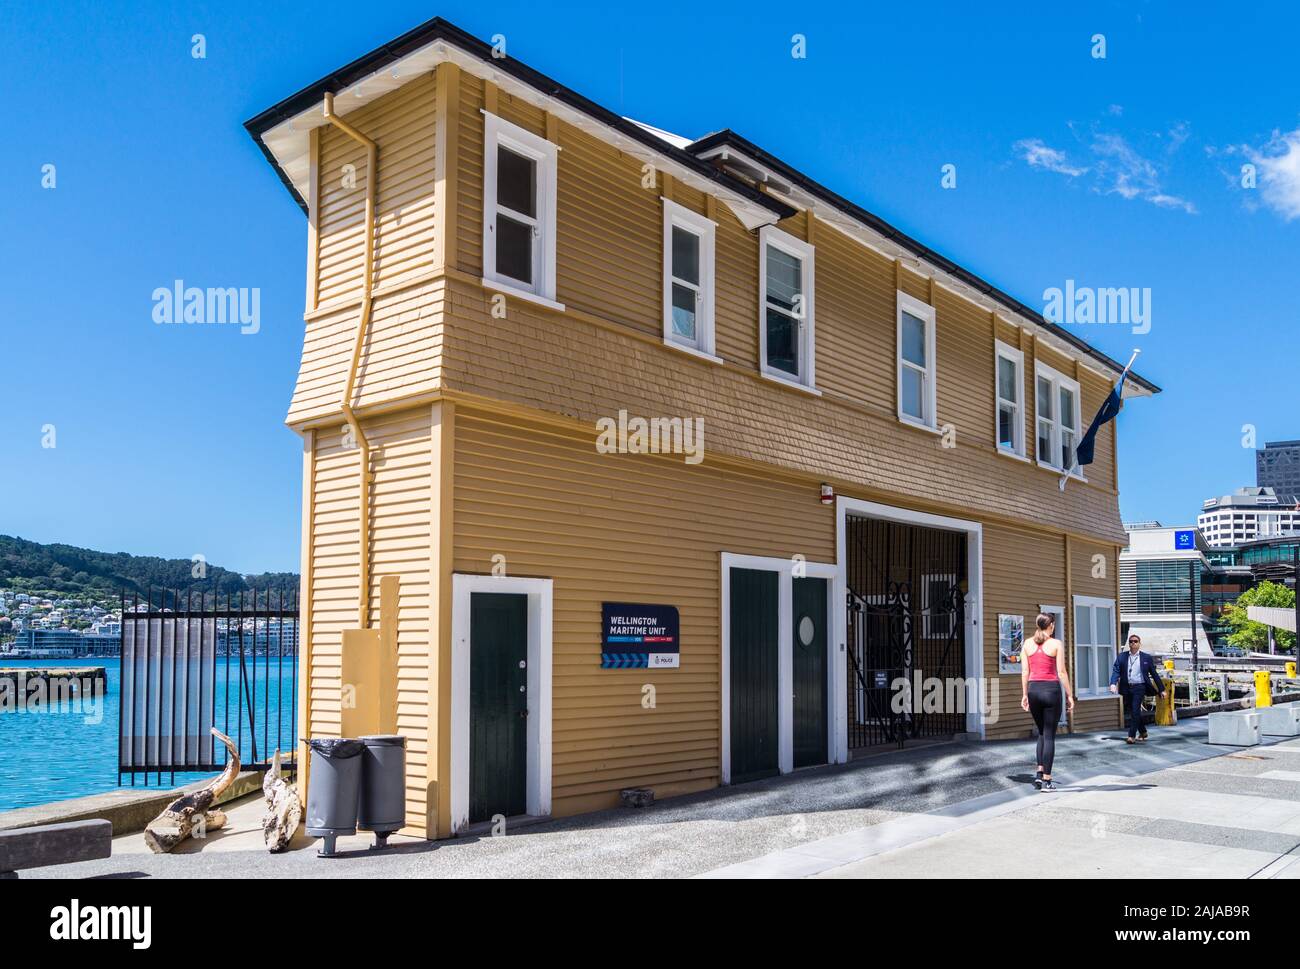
[(335, 783), (383, 787)]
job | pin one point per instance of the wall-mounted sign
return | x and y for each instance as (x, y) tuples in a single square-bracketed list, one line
[(1011, 637), (881, 679), (638, 636), (1185, 540)]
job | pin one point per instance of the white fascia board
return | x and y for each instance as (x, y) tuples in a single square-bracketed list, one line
[(289, 141)]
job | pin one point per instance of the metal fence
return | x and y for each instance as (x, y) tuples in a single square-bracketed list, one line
[(193, 661)]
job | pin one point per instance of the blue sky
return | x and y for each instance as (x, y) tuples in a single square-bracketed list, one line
[(1122, 171)]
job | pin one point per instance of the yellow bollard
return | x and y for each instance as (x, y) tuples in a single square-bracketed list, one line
[(1263, 689), (1290, 669)]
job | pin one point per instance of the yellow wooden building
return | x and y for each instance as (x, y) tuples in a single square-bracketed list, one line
[(567, 378)]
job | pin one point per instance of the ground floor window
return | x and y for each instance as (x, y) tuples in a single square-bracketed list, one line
[(1094, 645)]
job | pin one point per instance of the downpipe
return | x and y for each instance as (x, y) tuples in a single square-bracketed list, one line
[(363, 326)]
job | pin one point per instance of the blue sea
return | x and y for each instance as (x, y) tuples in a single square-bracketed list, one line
[(53, 754)]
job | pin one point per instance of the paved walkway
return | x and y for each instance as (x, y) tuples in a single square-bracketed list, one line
[(1174, 806)]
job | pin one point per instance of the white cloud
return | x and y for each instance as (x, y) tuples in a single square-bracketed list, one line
[(1039, 155), (1278, 167), (1117, 167)]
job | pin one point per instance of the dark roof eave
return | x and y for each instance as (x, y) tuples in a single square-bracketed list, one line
[(440, 29), (728, 138)]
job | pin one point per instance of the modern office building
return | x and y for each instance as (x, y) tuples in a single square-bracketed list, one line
[(1161, 572), (65, 644), (1246, 515), (1277, 466)]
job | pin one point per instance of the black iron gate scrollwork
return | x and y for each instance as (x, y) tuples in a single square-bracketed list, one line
[(906, 631)]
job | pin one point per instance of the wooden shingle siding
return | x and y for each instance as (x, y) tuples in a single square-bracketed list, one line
[(635, 528), (569, 366), (401, 359)]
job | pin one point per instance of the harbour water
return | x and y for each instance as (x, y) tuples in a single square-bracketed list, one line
[(54, 753)]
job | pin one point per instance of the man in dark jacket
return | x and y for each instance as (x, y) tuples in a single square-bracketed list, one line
[(1134, 677)]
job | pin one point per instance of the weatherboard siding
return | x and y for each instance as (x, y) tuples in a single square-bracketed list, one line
[(400, 526), (623, 528)]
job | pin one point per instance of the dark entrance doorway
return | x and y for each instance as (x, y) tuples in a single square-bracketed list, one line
[(906, 618), (810, 637), (498, 719), (754, 659)]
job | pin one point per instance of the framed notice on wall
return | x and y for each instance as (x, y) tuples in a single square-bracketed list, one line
[(1011, 636), (638, 636)]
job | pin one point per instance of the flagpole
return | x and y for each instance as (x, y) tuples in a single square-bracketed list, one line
[(1074, 458)]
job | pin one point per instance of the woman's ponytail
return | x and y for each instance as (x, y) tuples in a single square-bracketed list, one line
[(1044, 622)]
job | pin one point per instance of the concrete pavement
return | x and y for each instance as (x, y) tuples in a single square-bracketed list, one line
[(953, 809)]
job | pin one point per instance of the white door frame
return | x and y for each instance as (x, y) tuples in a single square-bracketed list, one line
[(539, 593), (785, 569), (974, 641)]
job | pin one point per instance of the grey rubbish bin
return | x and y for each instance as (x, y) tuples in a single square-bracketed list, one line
[(382, 807), (335, 783)]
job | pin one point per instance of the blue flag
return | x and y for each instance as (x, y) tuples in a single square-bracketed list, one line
[(1114, 402)]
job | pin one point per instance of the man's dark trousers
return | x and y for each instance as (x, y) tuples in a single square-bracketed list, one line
[(1133, 705)]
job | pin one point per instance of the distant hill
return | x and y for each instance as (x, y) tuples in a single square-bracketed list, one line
[(71, 571)]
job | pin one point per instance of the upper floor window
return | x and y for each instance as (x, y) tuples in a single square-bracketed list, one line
[(688, 278), (1010, 378), (785, 332), (1057, 405), (916, 364), (519, 190)]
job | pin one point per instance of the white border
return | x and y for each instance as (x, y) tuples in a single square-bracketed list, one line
[(705, 229), (539, 593), (805, 252), (498, 131), (1016, 356), (925, 313), (1058, 380), (1102, 692), (974, 639), (785, 568)]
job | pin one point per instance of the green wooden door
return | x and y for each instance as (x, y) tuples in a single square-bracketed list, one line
[(498, 717), (810, 694), (754, 654)]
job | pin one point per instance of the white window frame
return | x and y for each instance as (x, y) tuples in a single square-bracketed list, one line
[(1057, 380), (705, 229), (1101, 690), (933, 626), (499, 133), (929, 388), (1004, 351), (803, 251)]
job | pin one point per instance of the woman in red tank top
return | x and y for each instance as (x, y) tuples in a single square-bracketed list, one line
[(1043, 683)]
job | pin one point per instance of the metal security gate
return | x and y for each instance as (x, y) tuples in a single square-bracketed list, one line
[(192, 661), (906, 630)]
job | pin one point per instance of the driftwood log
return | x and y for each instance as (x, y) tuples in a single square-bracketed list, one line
[(283, 809), (193, 814)]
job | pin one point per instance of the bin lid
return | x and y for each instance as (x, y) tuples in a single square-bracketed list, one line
[(384, 740), (341, 747)]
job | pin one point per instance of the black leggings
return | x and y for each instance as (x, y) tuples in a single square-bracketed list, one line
[(1045, 708)]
